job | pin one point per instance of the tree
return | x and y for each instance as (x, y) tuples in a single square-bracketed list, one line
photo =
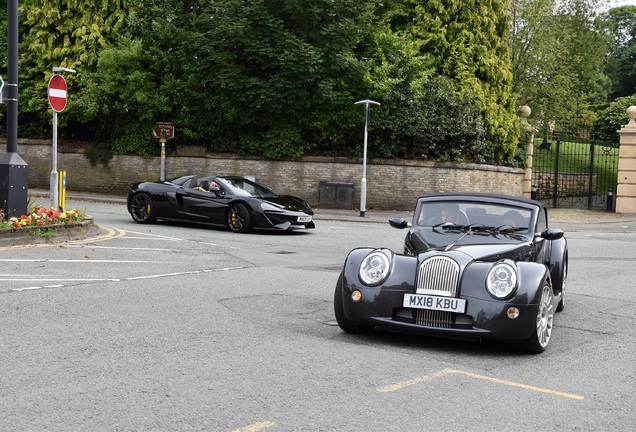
[(619, 24), (468, 42), (69, 33), (557, 57)]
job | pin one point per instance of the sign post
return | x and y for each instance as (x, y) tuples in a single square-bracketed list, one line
[(58, 95), (162, 131), (363, 185)]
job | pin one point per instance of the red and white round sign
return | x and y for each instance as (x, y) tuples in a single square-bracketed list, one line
[(57, 93)]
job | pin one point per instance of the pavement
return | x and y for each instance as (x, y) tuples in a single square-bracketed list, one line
[(567, 219)]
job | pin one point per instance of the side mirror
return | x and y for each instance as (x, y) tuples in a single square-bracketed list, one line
[(399, 223), (552, 234)]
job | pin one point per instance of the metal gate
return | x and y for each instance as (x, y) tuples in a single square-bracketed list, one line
[(572, 170)]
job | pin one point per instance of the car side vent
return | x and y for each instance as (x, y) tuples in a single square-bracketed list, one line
[(438, 276)]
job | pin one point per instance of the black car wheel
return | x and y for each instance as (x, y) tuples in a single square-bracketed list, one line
[(142, 209), (239, 218), (346, 324), (542, 331), (564, 280)]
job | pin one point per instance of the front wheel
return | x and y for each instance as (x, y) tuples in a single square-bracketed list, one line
[(345, 323), (142, 209), (239, 218), (542, 331), (561, 304)]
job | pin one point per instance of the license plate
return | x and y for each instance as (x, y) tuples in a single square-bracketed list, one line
[(304, 218), (447, 304)]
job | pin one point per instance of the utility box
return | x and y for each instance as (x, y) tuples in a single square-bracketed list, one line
[(335, 195)]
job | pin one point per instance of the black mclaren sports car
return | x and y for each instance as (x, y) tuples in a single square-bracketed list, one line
[(474, 266), (233, 202)]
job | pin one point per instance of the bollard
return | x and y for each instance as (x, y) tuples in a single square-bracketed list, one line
[(610, 200), (533, 192), (61, 195)]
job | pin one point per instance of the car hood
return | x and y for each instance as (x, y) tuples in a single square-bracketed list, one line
[(288, 202), (489, 248), (518, 252)]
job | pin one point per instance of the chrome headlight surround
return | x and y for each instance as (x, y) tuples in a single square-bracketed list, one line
[(502, 279), (374, 268)]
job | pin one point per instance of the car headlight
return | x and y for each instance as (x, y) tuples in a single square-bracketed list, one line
[(374, 268), (501, 280)]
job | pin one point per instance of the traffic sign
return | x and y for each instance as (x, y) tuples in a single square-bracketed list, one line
[(163, 130), (57, 93)]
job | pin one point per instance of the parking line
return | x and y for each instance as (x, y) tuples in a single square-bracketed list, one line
[(403, 384)]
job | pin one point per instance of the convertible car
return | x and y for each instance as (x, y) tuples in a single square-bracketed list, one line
[(233, 202), (474, 266)]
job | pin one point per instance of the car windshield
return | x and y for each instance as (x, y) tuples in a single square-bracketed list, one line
[(473, 215), (245, 187)]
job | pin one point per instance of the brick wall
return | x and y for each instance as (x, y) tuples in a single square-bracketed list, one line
[(391, 184)]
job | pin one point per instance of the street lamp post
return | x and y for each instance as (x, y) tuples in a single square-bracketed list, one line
[(14, 171), (363, 185)]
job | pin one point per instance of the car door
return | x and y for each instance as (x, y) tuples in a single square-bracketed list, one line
[(201, 206)]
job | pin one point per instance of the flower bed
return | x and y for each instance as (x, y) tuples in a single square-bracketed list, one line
[(43, 225), (40, 217)]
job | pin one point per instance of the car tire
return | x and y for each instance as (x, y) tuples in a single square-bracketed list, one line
[(542, 331), (564, 280), (239, 218), (142, 209), (346, 324)]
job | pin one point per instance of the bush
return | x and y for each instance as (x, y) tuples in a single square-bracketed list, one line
[(612, 119)]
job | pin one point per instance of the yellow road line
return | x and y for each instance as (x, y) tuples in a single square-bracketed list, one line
[(255, 427), (403, 384), (111, 233)]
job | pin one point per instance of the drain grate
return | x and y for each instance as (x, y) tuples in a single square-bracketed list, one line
[(283, 252)]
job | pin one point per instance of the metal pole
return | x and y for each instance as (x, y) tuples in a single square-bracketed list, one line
[(12, 77), (363, 185), (163, 160), (54, 185)]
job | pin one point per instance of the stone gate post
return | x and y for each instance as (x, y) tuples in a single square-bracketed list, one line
[(626, 189)]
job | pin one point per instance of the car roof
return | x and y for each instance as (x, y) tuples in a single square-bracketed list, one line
[(482, 197)]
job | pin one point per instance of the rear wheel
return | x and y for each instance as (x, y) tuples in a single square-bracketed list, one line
[(239, 218), (542, 331), (346, 324), (142, 209)]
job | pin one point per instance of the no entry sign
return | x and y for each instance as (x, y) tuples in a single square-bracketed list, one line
[(57, 93)]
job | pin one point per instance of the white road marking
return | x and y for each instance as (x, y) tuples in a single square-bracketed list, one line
[(126, 248), (115, 280), (154, 235), (82, 261)]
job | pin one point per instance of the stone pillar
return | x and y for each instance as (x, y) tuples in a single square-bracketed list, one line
[(626, 190), (524, 112)]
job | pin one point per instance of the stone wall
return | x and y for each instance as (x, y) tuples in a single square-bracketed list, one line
[(391, 184)]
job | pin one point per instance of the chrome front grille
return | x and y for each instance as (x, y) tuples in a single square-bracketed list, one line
[(431, 318), (437, 276)]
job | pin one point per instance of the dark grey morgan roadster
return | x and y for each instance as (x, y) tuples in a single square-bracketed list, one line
[(474, 266)]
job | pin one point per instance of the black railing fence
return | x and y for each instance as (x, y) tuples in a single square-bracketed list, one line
[(570, 169)]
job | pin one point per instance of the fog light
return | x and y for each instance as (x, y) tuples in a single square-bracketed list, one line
[(513, 312), (356, 295)]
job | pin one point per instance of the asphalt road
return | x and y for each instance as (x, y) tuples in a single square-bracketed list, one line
[(171, 327)]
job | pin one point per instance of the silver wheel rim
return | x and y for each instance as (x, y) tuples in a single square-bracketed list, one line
[(565, 280), (545, 317)]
